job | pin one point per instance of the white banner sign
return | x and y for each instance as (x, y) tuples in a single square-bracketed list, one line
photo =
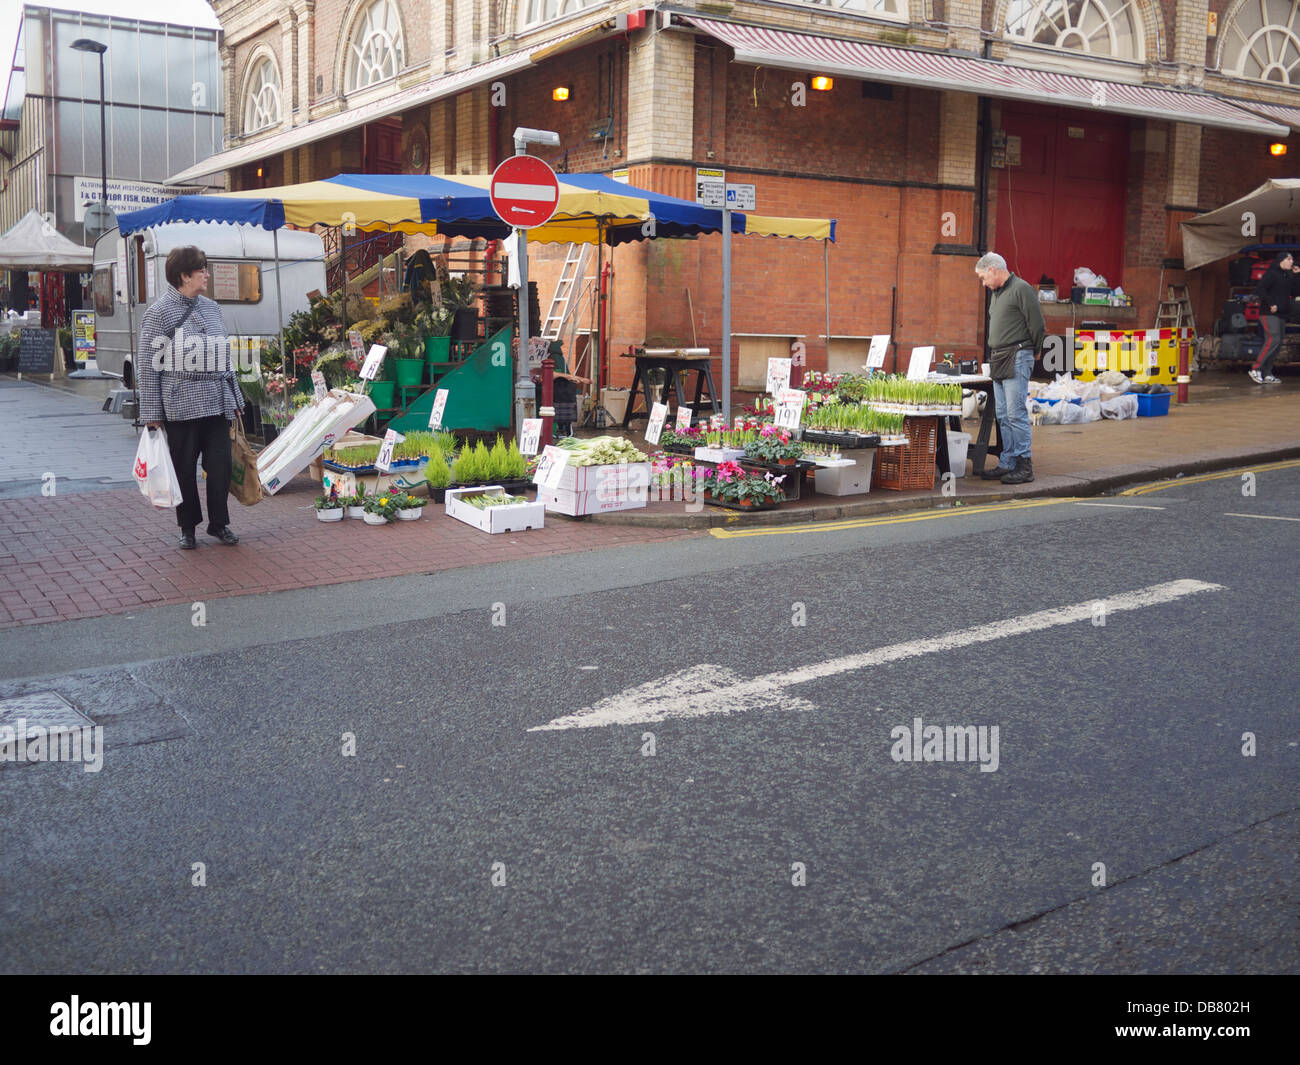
[(122, 195)]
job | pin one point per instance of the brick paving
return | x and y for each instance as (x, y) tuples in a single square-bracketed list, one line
[(109, 552)]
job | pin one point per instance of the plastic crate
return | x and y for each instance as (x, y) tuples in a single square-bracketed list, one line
[(1150, 406), (910, 467)]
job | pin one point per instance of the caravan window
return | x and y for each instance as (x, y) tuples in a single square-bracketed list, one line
[(234, 282), (104, 289)]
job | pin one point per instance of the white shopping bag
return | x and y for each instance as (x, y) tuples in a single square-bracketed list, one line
[(154, 472)]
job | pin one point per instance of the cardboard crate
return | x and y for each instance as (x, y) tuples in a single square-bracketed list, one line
[(604, 478), (577, 504), (515, 518)]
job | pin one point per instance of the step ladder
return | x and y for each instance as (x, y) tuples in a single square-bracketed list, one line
[(572, 280), (1176, 311)]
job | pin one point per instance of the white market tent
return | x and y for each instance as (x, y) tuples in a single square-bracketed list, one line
[(33, 244)]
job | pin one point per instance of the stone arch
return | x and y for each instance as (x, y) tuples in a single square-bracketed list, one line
[(1227, 39), (262, 52), (347, 30)]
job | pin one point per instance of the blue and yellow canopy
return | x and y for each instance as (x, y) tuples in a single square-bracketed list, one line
[(593, 208)]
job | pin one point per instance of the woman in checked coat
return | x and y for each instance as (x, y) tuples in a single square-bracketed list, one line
[(187, 387)]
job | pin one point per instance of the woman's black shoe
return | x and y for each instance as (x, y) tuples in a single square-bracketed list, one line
[(187, 541), (225, 536)]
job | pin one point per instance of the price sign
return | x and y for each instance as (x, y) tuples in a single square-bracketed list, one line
[(318, 383), (778, 375), (385, 460), (717, 421), (789, 408), (918, 369), (358, 345), (538, 349), (876, 356), (684, 418), (658, 415), (373, 361), (531, 438), (439, 406), (551, 467)]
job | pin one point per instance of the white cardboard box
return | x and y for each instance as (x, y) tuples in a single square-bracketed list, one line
[(852, 480), (719, 454), (514, 518), (576, 504)]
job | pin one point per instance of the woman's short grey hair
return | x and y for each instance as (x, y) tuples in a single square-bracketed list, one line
[(990, 261)]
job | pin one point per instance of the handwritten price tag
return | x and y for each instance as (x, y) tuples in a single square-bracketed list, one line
[(551, 467), (876, 356), (385, 460), (373, 361), (789, 408), (358, 345), (684, 418), (318, 383), (439, 407), (918, 369), (531, 438), (658, 415), (778, 375)]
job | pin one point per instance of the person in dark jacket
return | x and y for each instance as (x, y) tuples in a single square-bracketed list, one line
[(1274, 291), (188, 386)]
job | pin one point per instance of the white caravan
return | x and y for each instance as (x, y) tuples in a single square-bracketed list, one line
[(130, 274)]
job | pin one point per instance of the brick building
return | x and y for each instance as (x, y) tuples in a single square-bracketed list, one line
[(1061, 135)]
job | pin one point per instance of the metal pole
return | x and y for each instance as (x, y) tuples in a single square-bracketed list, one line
[(279, 310), (103, 139), (726, 315), (525, 393)]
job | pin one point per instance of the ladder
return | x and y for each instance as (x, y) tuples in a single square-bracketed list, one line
[(1176, 311), (572, 278)]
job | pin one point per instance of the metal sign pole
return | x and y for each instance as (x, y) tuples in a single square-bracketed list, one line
[(726, 314)]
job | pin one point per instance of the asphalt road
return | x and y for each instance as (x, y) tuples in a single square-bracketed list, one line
[(774, 833)]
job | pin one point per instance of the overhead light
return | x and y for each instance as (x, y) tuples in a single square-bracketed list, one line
[(822, 83), (259, 171), (560, 92), (1277, 148)]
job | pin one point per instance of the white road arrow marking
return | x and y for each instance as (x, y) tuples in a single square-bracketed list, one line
[(707, 689)]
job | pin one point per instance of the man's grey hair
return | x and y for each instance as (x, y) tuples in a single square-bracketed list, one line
[(990, 261)]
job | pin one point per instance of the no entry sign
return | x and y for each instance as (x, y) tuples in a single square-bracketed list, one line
[(524, 191)]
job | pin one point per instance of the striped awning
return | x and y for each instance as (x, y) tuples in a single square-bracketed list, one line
[(1288, 116), (389, 104), (939, 70)]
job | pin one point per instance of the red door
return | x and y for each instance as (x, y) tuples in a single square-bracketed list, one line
[(1063, 206), (383, 147)]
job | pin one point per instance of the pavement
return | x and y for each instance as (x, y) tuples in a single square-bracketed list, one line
[(79, 542)]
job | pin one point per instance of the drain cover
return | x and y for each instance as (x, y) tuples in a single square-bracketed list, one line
[(44, 709)]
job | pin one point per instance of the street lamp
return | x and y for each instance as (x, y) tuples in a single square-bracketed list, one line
[(85, 44)]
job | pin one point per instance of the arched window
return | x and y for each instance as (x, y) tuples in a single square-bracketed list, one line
[(1108, 28), (535, 12), (375, 51), (262, 97), (1262, 42)]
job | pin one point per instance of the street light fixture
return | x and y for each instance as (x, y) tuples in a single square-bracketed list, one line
[(85, 44)]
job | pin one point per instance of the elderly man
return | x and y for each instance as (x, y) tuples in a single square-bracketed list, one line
[(1016, 332)]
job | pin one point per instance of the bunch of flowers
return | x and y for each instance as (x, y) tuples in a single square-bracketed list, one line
[(383, 503), (774, 444), (405, 501), (690, 437), (729, 483)]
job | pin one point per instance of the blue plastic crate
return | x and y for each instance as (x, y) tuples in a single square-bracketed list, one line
[(1153, 406)]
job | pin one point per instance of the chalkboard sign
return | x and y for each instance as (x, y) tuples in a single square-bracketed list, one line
[(36, 351)]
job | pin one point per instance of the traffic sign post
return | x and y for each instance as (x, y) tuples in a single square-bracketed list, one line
[(524, 192)]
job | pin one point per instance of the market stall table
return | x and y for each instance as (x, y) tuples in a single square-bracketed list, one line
[(981, 445), (675, 363)]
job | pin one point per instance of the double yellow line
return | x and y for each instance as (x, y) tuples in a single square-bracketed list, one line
[(901, 519), (1160, 486)]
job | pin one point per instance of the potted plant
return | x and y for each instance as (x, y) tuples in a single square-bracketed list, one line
[(380, 508), (460, 296), (329, 508), (437, 475), (354, 506), (774, 446), (409, 508), (434, 327), (729, 485)]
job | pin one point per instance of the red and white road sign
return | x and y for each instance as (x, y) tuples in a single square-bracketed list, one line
[(525, 191)]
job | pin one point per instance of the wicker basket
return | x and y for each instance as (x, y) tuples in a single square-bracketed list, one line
[(911, 467)]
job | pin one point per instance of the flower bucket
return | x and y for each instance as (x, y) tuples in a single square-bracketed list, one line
[(437, 349), (355, 512), (375, 519), (332, 514), (382, 393), (410, 513), (410, 372)]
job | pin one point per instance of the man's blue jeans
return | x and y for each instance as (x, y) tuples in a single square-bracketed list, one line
[(1013, 418)]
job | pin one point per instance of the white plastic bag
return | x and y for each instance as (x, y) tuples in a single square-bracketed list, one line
[(154, 472)]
